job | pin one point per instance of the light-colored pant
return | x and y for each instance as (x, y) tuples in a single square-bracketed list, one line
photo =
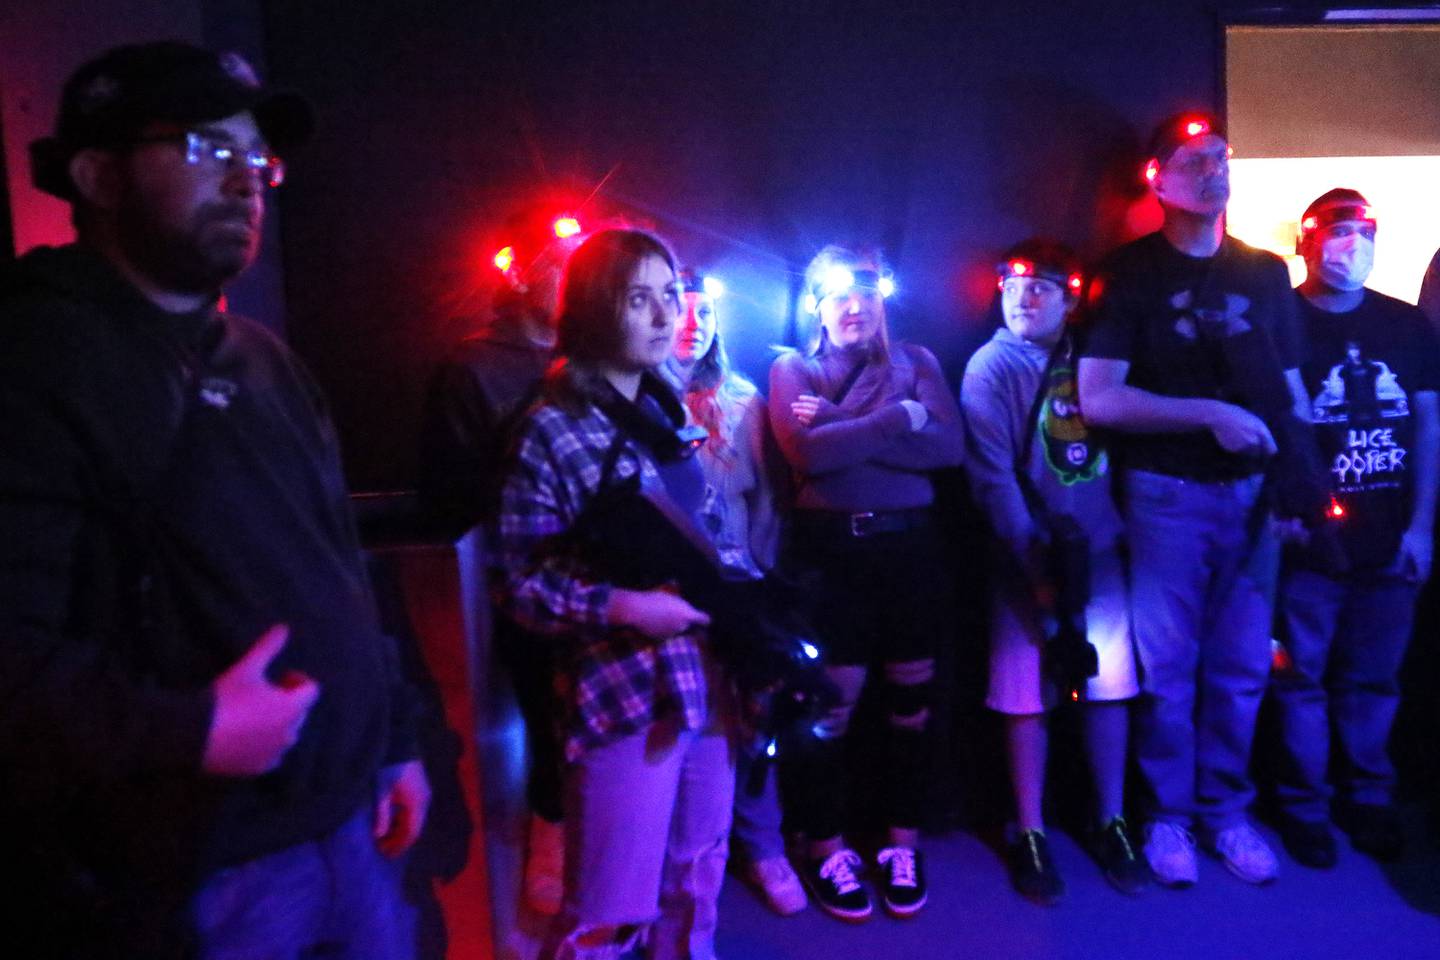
[(1203, 570), (647, 821), (1346, 639)]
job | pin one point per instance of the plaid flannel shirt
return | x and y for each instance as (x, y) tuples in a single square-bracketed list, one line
[(613, 681)]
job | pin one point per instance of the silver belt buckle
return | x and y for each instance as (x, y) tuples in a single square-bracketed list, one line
[(857, 523)]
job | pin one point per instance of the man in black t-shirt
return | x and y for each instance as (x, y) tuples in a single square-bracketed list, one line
[(1372, 373), (1194, 347)]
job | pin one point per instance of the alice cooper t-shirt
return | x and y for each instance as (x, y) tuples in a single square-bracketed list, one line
[(1363, 370), (1223, 327)]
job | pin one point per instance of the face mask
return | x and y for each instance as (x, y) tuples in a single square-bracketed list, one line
[(1346, 262)]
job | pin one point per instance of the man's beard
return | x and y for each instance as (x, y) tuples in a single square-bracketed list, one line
[(188, 259)]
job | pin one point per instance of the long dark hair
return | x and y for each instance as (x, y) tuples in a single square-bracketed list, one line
[(589, 332)]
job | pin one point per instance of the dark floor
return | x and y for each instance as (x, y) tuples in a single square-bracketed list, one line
[(1358, 910)]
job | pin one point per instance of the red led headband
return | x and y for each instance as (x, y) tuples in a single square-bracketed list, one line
[(1335, 213), (1173, 134), (1019, 267), (507, 261)]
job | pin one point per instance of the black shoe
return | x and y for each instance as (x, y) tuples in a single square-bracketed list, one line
[(1376, 830), (902, 883), (1032, 872), (1309, 842), (1120, 858), (835, 887)]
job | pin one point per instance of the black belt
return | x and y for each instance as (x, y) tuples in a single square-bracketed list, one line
[(833, 523)]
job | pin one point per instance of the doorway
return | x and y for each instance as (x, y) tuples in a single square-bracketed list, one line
[(1352, 100)]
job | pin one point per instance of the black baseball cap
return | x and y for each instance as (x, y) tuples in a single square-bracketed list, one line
[(110, 100)]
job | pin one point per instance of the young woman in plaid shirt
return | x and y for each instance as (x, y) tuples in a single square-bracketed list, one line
[(650, 772)]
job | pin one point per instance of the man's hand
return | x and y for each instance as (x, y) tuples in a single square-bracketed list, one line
[(1289, 530), (658, 614), (1417, 551), (256, 721), (400, 807), (1238, 430)]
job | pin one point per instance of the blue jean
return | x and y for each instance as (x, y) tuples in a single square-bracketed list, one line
[(755, 835), (1203, 568), (337, 897), (1347, 639)]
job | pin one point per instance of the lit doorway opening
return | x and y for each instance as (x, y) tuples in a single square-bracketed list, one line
[(1348, 101)]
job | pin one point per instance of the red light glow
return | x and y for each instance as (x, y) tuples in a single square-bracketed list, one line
[(1152, 170), (1196, 127), (505, 259), (1337, 509), (1019, 267), (566, 227), (1076, 282)]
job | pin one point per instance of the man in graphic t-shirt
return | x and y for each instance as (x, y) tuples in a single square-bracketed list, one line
[(1191, 362), (1373, 372)]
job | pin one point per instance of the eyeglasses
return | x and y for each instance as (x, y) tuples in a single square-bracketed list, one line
[(221, 157)]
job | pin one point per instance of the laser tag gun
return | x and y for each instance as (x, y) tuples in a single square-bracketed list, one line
[(1296, 481), (1069, 658), (640, 539)]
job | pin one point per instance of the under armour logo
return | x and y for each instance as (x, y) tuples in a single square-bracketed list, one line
[(1212, 321)]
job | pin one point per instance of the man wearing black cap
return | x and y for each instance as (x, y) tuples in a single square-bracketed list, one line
[(1373, 372), (1184, 362), (204, 736)]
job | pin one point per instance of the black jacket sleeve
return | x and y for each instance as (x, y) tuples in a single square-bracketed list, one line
[(73, 708)]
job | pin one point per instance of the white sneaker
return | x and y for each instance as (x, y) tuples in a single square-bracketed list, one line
[(778, 885), (1170, 851), (1246, 854), (545, 866)]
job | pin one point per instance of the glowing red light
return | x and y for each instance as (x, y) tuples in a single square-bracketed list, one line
[(1337, 509), (1076, 282), (1152, 170), (505, 259), (566, 227), (1365, 214), (1309, 223), (1019, 267), (1196, 127), (1075, 696)]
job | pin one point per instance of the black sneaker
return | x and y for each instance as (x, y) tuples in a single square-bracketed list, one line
[(1032, 871), (902, 885), (1120, 858), (1376, 830), (1309, 842), (835, 887)]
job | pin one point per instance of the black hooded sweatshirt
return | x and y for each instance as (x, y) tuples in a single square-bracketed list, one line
[(170, 487)]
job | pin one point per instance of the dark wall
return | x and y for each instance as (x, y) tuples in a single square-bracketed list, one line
[(748, 134)]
